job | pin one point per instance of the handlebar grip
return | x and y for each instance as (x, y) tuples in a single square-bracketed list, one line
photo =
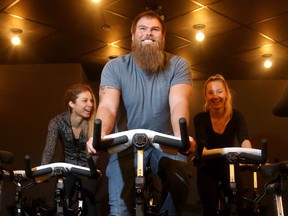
[(27, 164), (185, 143), (182, 144), (80, 171), (167, 141), (114, 142), (247, 158), (199, 147), (32, 174), (92, 167), (98, 144), (264, 151), (97, 134), (41, 172)]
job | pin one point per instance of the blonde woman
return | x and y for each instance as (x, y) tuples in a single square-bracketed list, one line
[(217, 127)]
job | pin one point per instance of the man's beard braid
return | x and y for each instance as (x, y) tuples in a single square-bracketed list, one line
[(149, 57)]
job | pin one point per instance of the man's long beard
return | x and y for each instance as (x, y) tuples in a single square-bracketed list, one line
[(149, 57)]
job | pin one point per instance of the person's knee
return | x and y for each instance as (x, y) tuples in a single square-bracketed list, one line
[(174, 171), (175, 176)]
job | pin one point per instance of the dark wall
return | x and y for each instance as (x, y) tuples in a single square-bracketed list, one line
[(30, 95)]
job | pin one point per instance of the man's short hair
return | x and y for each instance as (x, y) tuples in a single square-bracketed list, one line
[(150, 14)]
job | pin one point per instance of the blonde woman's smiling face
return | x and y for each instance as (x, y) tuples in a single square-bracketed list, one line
[(215, 94)]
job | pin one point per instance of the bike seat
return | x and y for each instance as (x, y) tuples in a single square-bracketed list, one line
[(6, 157), (271, 169)]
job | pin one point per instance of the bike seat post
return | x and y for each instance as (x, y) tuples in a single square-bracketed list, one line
[(278, 194), (79, 195), (222, 201), (59, 195), (232, 177), (18, 210), (140, 141), (232, 159), (139, 183), (278, 204), (255, 182)]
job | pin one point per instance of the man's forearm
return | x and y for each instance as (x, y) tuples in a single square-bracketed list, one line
[(107, 119), (179, 112)]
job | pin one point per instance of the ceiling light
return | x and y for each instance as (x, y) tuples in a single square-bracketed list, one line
[(267, 62), (96, 1), (106, 27), (15, 40), (200, 36)]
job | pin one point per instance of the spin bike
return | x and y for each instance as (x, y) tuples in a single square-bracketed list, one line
[(59, 170), (6, 157), (20, 180), (234, 156), (275, 187), (140, 138)]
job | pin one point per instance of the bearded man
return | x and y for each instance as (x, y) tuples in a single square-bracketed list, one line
[(153, 88)]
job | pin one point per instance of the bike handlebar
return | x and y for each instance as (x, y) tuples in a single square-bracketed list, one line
[(271, 169), (247, 158), (235, 154), (59, 169), (120, 141)]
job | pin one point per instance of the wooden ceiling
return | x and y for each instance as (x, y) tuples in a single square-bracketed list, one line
[(238, 33)]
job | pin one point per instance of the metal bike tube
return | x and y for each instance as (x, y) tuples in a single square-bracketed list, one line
[(278, 205), (140, 182)]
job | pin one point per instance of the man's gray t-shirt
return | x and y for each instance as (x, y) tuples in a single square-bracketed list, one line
[(145, 96)]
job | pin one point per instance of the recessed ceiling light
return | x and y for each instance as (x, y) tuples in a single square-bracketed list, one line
[(200, 36), (15, 40), (267, 63)]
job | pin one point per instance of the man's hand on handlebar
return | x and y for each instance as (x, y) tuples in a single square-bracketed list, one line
[(191, 148)]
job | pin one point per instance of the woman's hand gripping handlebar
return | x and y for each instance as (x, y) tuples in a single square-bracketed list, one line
[(120, 141), (60, 169)]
